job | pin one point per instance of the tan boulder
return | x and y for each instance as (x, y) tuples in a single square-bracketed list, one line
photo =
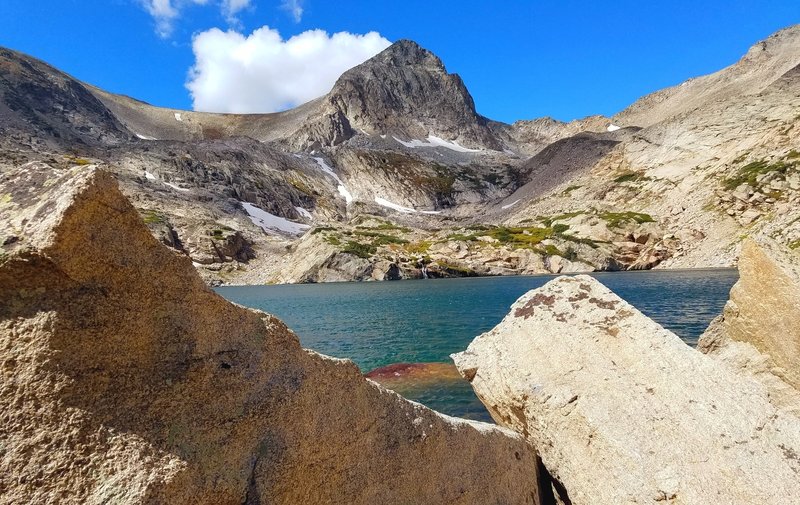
[(126, 380), (759, 330), (622, 411)]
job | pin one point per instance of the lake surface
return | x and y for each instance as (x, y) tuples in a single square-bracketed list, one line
[(423, 321)]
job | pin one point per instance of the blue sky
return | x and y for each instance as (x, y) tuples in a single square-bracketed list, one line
[(519, 59)]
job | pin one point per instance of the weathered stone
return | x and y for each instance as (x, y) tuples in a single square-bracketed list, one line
[(758, 332), (622, 411), (126, 380)]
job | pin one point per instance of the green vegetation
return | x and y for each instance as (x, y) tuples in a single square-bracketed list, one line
[(79, 161), (549, 220), (616, 219), (631, 177), (332, 240), (358, 249), (420, 247), (320, 229), (380, 238), (301, 186), (569, 190), (385, 225), (794, 244), (153, 217), (750, 172), (793, 154)]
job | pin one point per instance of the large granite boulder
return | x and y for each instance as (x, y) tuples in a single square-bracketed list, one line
[(622, 411), (759, 330), (126, 380)]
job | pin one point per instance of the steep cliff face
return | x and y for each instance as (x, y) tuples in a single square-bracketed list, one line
[(127, 380)]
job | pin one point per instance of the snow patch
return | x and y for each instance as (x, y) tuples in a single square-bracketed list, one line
[(178, 116), (145, 137), (399, 208), (390, 205), (177, 188), (434, 141), (341, 187), (510, 204), (303, 212), (149, 176), (272, 223), (612, 127)]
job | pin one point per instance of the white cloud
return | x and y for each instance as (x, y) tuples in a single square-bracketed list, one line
[(264, 73), (166, 12), (293, 7), (230, 8)]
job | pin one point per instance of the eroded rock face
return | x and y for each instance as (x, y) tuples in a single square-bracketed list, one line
[(622, 411), (758, 332), (127, 380)]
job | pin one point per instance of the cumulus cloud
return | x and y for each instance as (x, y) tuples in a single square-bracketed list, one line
[(166, 12), (262, 72), (294, 8)]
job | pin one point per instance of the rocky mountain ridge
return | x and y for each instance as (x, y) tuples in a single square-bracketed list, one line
[(673, 181)]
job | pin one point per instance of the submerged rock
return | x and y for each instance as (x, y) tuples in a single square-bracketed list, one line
[(759, 330), (126, 380), (622, 411)]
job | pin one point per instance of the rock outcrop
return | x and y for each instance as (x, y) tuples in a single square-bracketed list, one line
[(758, 332), (126, 380), (622, 411)]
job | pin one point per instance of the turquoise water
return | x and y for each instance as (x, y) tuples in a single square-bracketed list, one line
[(380, 323)]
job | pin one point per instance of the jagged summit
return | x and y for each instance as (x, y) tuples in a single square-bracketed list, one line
[(405, 91), (407, 52)]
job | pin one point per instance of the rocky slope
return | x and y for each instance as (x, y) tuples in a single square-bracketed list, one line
[(127, 380), (676, 180)]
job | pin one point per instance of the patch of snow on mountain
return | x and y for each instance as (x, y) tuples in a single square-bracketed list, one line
[(612, 127), (177, 188), (390, 205), (450, 145), (434, 141), (303, 212), (271, 223), (178, 116), (341, 187), (145, 137), (510, 204), (149, 176)]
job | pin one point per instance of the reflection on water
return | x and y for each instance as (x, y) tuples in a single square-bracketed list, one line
[(424, 321)]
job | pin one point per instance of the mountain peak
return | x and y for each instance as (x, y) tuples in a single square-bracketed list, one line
[(406, 52), (404, 90)]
